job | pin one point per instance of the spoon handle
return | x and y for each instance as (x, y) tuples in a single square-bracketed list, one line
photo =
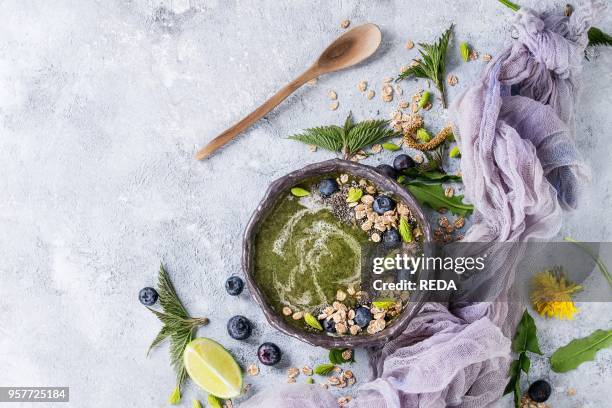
[(257, 114)]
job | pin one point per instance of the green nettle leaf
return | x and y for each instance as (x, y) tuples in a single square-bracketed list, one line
[(526, 338), (324, 369), (432, 64), (405, 230), (416, 174), (579, 351), (391, 146), (433, 196), (598, 37), (349, 139), (354, 195), (214, 402), (312, 321), (299, 192)]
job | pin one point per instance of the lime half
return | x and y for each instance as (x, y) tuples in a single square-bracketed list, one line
[(212, 368)]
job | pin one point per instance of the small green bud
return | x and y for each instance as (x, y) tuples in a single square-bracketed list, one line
[(309, 380), (196, 404), (424, 99), (465, 51), (214, 402), (423, 136), (454, 153)]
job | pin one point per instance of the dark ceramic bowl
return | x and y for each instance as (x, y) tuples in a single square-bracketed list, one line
[(280, 187)]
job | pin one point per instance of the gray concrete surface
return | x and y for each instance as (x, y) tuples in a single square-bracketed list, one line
[(102, 107)]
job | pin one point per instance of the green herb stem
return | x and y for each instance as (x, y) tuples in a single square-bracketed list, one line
[(510, 5)]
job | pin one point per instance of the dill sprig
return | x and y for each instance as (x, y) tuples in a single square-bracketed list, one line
[(432, 64), (348, 139), (177, 324)]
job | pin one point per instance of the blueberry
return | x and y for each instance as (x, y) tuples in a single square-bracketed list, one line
[(239, 327), (328, 325), (387, 170), (539, 391), (269, 353), (328, 187), (391, 237), (234, 285), (383, 204), (148, 296), (403, 162), (362, 316)]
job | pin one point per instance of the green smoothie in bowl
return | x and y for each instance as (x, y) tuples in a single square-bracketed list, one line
[(310, 254)]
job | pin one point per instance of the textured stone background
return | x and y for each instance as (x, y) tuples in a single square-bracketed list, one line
[(102, 107)]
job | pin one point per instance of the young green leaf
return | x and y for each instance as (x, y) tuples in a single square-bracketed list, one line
[(579, 351), (299, 192), (324, 369), (312, 321), (391, 147), (175, 397), (454, 153), (526, 337), (433, 196), (214, 402), (432, 64), (354, 195), (405, 230), (465, 51), (196, 404)]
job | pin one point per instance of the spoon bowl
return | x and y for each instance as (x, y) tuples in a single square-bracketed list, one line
[(349, 49)]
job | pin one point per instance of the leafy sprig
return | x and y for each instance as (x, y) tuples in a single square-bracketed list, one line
[(348, 139), (178, 326), (525, 339), (432, 64)]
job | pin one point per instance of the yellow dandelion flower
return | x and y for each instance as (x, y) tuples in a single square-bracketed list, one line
[(551, 294)]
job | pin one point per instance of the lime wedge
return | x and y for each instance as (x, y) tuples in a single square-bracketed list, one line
[(212, 368)]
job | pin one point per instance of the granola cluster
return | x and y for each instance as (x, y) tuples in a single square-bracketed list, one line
[(448, 231)]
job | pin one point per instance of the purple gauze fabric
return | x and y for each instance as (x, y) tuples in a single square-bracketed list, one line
[(520, 167)]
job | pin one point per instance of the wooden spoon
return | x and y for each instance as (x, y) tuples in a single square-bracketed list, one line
[(349, 49)]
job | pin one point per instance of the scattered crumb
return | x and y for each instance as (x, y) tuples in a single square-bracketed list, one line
[(252, 370), (410, 44), (287, 311), (332, 95), (334, 105), (375, 237), (377, 148), (298, 315), (312, 148), (473, 55), (371, 94), (345, 23), (363, 85), (290, 380), (449, 192), (347, 355), (404, 105), (487, 57), (293, 372), (571, 392), (452, 80), (306, 370)]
